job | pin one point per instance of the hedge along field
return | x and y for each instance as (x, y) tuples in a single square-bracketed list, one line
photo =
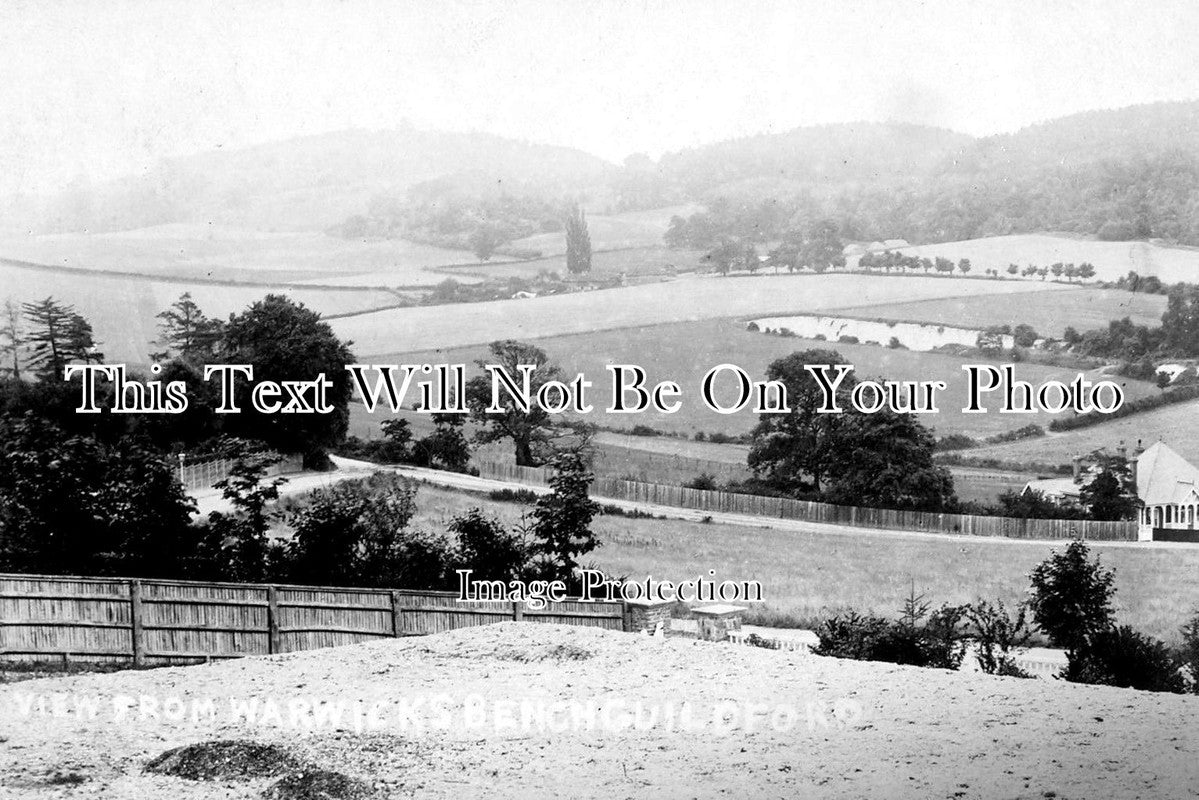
[(122, 309), (226, 253), (386, 333), (685, 351), (1049, 313), (805, 574)]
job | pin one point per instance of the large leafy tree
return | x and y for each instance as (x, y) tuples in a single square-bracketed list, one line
[(1111, 493), (70, 504), (885, 460), (530, 431), (791, 450), (285, 341)]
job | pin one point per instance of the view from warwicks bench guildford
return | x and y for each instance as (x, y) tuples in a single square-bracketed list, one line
[(605, 399)]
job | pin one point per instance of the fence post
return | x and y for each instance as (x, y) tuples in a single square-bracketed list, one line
[(273, 639), (518, 612), (626, 621), (396, 614), (137, 634)]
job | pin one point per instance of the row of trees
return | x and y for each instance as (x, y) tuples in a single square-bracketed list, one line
[(71, 504), (280, 339)]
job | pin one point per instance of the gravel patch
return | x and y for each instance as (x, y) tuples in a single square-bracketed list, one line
[(858, 729)]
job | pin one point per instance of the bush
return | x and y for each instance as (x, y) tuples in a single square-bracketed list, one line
[(705, 481), (998, 636), (524, 496), (1188, 654), (1072, 597), (488, 549), (1119, 656), (921, 638)]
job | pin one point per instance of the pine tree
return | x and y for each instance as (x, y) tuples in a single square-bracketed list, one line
[(578, 242), (186, 332), (12, 340), (80, 343), (51, 331)]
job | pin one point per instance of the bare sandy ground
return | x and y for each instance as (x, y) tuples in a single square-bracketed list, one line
[(444, 719)]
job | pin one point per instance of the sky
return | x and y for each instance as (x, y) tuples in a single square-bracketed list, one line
[(91, 91)]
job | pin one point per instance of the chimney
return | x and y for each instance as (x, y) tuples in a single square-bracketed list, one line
[(1121, 450), (1134, 463), (1076, 463)]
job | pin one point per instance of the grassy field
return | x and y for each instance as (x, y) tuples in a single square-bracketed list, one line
[(684, 352), (427, 328), (193, 250), (1176, 425), (122, 309), (633, 263), (630, 229), (1111, 259), (1048, 313), (807, 574)]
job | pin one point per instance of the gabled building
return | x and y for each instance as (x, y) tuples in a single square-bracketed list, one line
[(1168, 488)]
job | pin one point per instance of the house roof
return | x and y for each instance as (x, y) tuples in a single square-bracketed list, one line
[(1163, 477), (1054, 488)]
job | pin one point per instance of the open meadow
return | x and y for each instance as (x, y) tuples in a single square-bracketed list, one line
[(685, 351), (1083, 308), (608, 231), (439, 328), (1112, 260), (806, 574), (633, 263), (1177, 425), (187, 250)]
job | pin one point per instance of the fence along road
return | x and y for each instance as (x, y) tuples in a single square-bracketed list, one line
[(179, 622)]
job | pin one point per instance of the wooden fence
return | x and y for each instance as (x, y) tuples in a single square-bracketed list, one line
[(45, 617), (787, 508), (203, 474)]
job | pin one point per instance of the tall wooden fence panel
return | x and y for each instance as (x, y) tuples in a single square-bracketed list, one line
[(890, 519), (45, 617)]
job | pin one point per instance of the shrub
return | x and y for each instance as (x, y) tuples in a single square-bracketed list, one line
[(644, 430), (1119, 656), (525, 496), (997, 636), (921, 638), (848, 340), (1072, 596), (1188, 653), (705, 481), (488, 549)]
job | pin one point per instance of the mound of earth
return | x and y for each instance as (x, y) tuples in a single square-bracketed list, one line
[(528, 710), (228, 760), (318, 785)]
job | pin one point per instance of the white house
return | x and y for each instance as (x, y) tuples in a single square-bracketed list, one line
[(1168, 487)]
